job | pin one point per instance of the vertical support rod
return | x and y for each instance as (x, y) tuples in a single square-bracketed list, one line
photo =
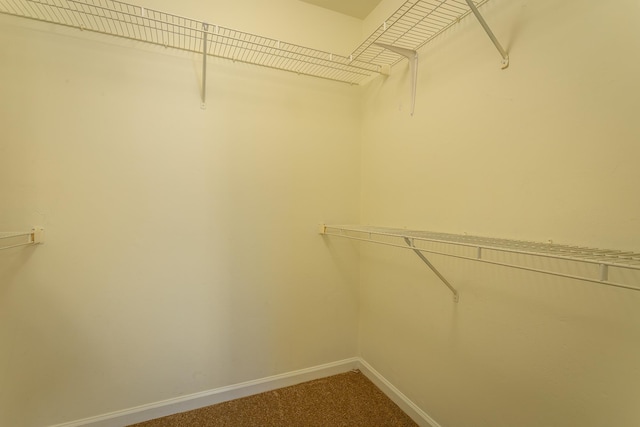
[(413, 68), (503, 53), (424, 259), (205, 33)]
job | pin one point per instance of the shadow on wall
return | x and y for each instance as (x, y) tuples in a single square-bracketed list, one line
[(12, 261), (39, 333)]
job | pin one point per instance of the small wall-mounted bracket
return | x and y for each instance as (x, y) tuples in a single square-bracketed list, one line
[(37, 235), (412, 56)]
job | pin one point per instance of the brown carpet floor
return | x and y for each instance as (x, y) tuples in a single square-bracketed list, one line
[(344, 400)]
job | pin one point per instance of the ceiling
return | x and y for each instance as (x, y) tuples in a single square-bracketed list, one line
[(356, 8)]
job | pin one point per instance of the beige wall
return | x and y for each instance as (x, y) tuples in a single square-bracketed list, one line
[(182, 251), (547, 149)]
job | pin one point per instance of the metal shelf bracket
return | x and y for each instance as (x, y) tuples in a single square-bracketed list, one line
[(412, 56)]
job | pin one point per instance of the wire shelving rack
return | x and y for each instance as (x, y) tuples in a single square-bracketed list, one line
[(597, 265), (141, 24), (413, 25)]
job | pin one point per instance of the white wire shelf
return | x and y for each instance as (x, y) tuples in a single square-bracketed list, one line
[(413, 25), (600, 262), (133, 22), (10, 240)]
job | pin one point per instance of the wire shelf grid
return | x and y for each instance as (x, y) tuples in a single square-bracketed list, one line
[(414, 24), (160, 28), (426, 241)]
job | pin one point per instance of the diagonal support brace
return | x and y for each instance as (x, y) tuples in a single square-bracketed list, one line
[(424, 259), (412, 56), (503, 53)]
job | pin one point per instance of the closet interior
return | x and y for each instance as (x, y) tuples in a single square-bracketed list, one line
[(225, 186)]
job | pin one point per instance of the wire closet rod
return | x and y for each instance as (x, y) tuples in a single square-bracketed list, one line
[(602, 258)]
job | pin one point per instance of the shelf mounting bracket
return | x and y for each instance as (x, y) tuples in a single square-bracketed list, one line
[(412, 56), (503, 53), (456, 296)]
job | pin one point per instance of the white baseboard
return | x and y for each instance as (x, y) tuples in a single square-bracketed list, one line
[(211, 397), (418, 415), (236, 391)]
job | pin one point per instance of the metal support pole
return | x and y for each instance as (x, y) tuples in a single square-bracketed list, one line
[(205, 29), (503, 53), (424, 259)]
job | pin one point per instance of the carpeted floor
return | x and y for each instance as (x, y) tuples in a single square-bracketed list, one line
[(346, 400)]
